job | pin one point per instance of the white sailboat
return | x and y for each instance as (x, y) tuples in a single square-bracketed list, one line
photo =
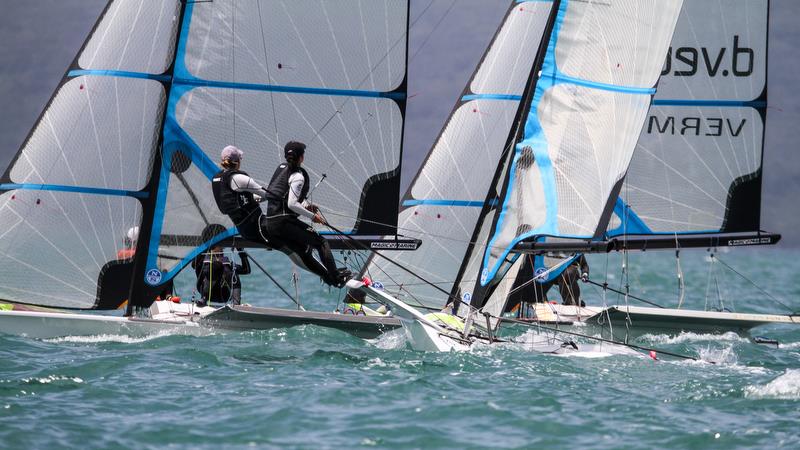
[(695, 177), (578, 110), (730, 89), (131, 137)]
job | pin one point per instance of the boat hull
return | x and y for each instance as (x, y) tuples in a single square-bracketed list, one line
[(254, 318), (628, 322), (45, 325)]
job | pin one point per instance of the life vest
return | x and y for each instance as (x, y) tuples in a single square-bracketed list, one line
[(215, 273), (278, 190), (238, 205)]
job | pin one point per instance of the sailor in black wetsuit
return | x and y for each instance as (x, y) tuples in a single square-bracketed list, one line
[(237, 195), (286, 201), (218, 276)]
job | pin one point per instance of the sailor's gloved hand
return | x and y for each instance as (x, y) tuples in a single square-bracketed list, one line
[(241, 251), (585, 277), (313, 208), (258, 198), (319, 219)]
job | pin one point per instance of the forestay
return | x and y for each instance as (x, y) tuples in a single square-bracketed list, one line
[(697, 166), (446, 196), (581, 126)]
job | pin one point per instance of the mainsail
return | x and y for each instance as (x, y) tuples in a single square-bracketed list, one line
[(132, 136), (583, 117), (445, 198), (697, 166)]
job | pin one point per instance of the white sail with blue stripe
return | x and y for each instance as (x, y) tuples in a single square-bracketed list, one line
[(132, 137), (582, 121), (447, 196), (697, 166)]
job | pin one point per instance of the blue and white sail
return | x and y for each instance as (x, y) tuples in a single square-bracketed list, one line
[(697, 166), (582, 120), (258, 74), (77, 184), (447, 196), (131, 137)]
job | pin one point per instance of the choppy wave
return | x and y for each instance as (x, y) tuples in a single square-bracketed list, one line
[(391, 340), (686, 337), (103, 338), (785, 387)]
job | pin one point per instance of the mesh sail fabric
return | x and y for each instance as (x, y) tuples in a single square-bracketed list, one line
[(73, 190), (362, 141), (587, 111), (133, 36), (97, 131), (348, 44), (257, 74), (697, 166), (445, 199), (55, 246)]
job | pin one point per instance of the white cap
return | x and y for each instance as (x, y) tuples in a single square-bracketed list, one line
[(231, 153), (132, 234)]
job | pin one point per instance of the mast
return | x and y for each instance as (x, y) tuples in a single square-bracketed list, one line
[(493, 197), (142, 293), (446, 195)]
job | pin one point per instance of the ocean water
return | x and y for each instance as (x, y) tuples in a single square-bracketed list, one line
[(310, 387)]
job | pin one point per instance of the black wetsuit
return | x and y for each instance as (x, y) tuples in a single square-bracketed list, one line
[(241, 207), (218, 277), (293, 236)]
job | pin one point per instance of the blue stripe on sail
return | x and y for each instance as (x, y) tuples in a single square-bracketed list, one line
[(535, 138), (561, 77), (466, 203), (630, 222), (290, 89), (230, 232), (467, 98), (717, 103), (120, 74), (539, 266), (78, 189), (185, 77)]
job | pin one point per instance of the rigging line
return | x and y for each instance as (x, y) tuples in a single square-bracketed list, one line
[(605, 286), (435, 27), (540, 276), (233, 65), (269, 75), (414, 22), (609, 341), (272, 279), (375, 252), (418, 304), (763, 291), (193, 196)]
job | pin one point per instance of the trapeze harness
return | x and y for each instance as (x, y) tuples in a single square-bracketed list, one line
[(218, 277), (240, 206), (290, 234)]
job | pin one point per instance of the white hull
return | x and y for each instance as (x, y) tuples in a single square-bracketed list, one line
[(424, 334), (42, 325), (632, 321)]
